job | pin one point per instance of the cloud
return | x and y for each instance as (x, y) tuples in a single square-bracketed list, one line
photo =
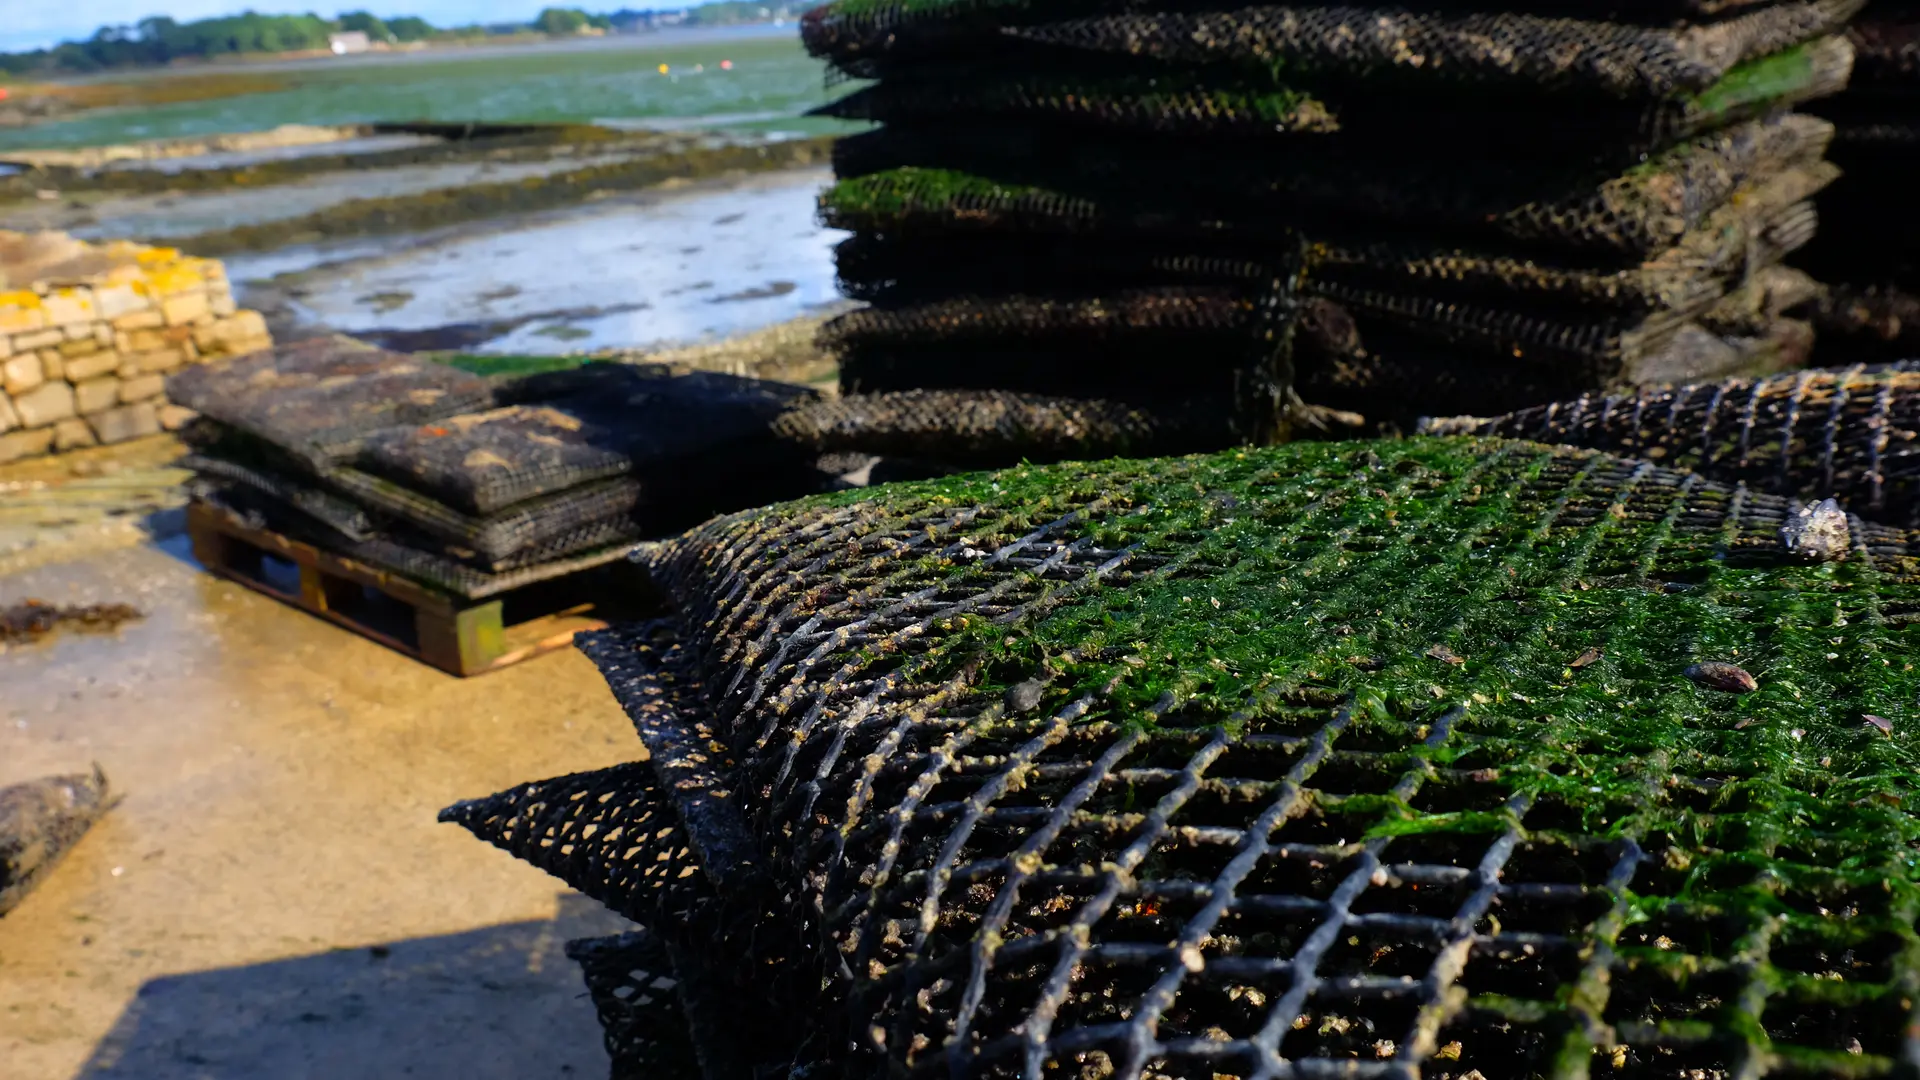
[(34, 25)]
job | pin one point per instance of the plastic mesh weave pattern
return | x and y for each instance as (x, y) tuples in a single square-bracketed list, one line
[(1847, 433), (1327, 760), (630, 979), (317, 399), (997, 427), (613, 419), (1640, 210), (611, 834), (1622, 61)]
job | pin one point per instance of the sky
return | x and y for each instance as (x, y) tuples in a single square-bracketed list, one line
[(33, 24)]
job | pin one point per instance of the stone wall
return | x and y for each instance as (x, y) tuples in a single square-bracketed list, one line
[(88, 334)]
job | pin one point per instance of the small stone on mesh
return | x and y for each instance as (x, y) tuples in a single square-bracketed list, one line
[(1024, 697), (1818, 532)]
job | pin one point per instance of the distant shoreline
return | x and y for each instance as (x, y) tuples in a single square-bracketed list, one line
[(471, 47)]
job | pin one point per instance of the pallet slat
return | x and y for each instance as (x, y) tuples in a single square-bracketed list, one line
[(458, 636)]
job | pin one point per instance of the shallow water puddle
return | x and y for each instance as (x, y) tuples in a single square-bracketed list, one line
[(676, 268)]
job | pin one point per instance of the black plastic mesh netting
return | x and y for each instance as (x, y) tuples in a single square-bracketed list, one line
[(592, 423), (336, 513), (317, 399), (1402, 759), (1392, 375), (548, 471), (612, 834), (1344, 46), (361, 507), (1486, 50), (523, 526), (851, 29), (999, 427), (1848, 433), (1381, 111), (1348, 184), (630, 978)]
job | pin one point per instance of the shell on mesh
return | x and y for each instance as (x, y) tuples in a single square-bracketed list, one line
[(1772, 292), (1292, 760), (1000, 427), (1849, 433)]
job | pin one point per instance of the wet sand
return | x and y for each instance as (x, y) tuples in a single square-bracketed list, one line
[(686, 264), (273, 898)]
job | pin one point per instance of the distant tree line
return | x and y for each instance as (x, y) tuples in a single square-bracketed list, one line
[(161, 40)]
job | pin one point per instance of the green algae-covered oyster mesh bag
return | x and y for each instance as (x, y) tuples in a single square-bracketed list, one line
[(923, 211), (1610, 211), (1848, 433), (1493, 50), (1131, 104), (1645, 54), (1398, 759)]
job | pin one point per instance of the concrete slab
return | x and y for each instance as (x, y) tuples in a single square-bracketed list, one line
[(273, 897)]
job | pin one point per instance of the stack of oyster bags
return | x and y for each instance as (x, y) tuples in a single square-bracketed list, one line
[(1182, 224), (476, 485), (1869, 251)]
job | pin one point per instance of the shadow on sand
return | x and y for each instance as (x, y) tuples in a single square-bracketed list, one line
[(503, 1002)]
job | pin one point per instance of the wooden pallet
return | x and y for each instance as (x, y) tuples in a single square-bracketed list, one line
[(457, 635)]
